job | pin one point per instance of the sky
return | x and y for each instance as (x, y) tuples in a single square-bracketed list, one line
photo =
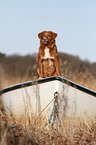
[(73, 20)]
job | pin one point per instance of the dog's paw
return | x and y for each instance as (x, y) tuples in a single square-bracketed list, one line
[(40, 78)]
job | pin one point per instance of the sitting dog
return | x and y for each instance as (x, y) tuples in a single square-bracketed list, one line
[(48, 57)]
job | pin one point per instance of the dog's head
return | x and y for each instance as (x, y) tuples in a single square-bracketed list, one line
[(47, 36)]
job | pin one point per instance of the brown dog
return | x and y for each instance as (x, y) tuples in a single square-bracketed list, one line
[(48, 57)]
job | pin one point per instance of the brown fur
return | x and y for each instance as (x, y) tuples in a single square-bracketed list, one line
[(48, 67)]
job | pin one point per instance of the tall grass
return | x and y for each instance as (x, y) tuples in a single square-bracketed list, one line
[(12, 132), (85, 79)]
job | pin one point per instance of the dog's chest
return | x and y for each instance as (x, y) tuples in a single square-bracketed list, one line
[(46, 53)]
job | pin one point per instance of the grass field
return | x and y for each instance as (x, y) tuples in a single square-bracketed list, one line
[(16, 133)]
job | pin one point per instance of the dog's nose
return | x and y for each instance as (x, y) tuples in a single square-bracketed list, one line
[(45, 38), (45, 41)]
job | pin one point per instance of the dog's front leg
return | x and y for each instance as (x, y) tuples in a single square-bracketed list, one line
[(57, 67), (40, 69)]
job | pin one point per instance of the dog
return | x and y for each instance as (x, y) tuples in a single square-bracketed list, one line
[(48, 58)]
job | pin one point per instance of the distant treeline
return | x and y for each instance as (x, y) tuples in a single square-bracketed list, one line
[(19, 66)]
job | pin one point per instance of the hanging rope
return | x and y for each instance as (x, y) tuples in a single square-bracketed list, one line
[(55, 111), (43, 110)]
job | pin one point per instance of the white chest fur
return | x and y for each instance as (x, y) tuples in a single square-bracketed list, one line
[(47, 54)]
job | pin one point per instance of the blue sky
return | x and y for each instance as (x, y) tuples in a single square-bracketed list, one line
[(73, 20)]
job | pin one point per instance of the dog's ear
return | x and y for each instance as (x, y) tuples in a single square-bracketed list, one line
[(40, 35), (54, 35)]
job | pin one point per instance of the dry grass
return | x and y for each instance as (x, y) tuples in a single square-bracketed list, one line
[(82, 132), (12, 132), (85, 79)]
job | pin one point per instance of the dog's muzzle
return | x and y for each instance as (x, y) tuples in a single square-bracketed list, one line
[(45, 41)]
